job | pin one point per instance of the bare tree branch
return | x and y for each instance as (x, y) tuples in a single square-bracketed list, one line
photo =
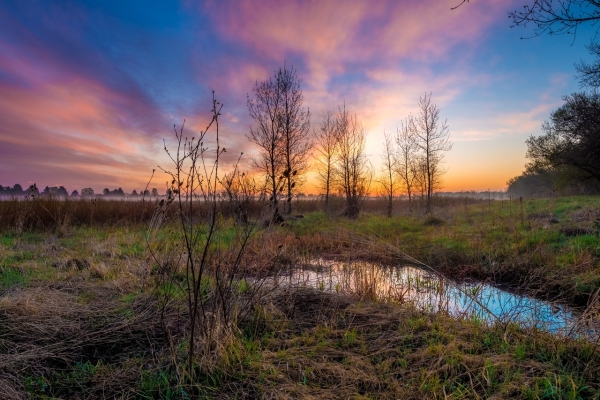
[(557, 17)]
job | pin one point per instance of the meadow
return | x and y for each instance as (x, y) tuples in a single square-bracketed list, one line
[(88, 311)]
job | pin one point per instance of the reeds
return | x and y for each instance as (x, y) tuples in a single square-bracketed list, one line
[(58, 213)]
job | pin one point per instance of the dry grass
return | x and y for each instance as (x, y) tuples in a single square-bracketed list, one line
[(329, 346), (81, 341), (58, 214), (48, 332)]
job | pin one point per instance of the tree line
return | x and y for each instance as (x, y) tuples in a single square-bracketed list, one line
[(565, 158), (284, 143), (60, 191)]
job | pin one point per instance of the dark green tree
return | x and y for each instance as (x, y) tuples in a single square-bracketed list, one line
[(571, 139), (87, 192)]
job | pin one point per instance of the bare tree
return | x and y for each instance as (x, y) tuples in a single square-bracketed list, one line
[(295, 125), (239, 190), (352, 167), (406, 156), (326, 143), (432, 137), (555, 17), (388, 179), (265, 109)]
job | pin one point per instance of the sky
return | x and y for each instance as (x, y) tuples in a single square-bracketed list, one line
[(89, 90)]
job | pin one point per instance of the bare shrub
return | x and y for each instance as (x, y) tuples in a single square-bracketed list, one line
[(199, 254)]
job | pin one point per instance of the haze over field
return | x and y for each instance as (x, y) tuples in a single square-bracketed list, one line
[(89, 91)]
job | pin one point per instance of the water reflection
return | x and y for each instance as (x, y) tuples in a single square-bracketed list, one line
[(429, 292)]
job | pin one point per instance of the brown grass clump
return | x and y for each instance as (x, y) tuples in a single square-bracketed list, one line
[(99, 270), (47, 331), (575, 231), (584, 215), (432, 220)]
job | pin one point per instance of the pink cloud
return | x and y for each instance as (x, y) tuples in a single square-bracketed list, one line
[(328, 35), (72, 131), (373, 39)]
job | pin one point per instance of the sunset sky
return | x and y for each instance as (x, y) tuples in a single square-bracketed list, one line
[(89, 89)]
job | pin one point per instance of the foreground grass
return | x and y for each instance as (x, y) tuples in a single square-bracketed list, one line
[(79, 314), (329, 346)]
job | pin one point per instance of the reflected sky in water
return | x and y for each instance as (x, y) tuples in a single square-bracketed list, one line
[(429, 292)]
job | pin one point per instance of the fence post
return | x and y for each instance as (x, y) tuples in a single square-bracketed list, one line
[(521, 201)]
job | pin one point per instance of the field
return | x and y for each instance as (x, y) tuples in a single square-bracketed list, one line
[(88, 311)]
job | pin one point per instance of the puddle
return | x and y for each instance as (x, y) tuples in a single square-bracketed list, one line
[(429, 292)]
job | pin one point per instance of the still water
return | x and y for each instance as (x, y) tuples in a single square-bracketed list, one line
[(430, 292)]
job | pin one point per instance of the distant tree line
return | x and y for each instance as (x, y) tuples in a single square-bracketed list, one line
[(60, 191)]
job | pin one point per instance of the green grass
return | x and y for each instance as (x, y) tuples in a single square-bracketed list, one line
[(430, 355), (160, 385), (16, 257), (7, 240), (10, 277)]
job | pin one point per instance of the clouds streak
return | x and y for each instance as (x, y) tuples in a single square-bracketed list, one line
[(89, 89)]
